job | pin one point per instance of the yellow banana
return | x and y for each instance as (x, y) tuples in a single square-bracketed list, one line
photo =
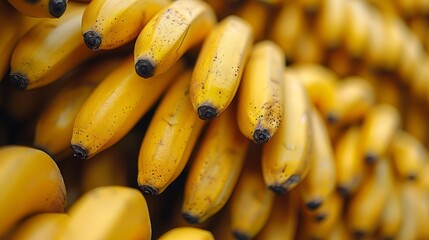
[(109, 24), (40, 8), (365, 208), (114, 107), (31, 183), (309, 49), (251, 204), (54, 125), (109, 212), (175, 29), (391, 216), (354, 96), (42, 226), (331, 22), (259, 115), (186, 233), (285, 158), (320, 181), (220, 66), (49, 50), (169, 139), (257, 15), (409, 155), (378, 130), (215, 170), (339, 232), (416, 117), (410, 225), (349, 164), (395, 40), (412, 55)]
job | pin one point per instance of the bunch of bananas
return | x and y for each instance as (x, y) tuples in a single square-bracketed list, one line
[(252, 119)]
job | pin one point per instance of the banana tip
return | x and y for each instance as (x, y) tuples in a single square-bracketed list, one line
[(313, 205), (320, 217), (79, 152), (149, 190), (92, 40), (331, 118), (343, 191), (359, 234), (370, 157), (57, 7), (277, 189), (190, 218), (206, 112), (261, 136), (240, 236), (145, 68), (18, 80)]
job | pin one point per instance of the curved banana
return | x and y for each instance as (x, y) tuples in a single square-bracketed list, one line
[(31, 183), (378, 130), (114, 107), (257, 15), (109, 212), (410, 224), (220, 66), (169, 139), (41, 226), (259, 115), (331, 22), (175, 29), (251, 204), (349, 164), (409, 155), (411, 56), (320, 181), (395, 30), (49, 50), (215, 169), (109, 24), (286, 157), (40, 8), (186, 233), (392, 215), (366, 206), (54, 126)]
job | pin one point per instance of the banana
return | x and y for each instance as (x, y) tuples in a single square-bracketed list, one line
[(412, 55), (49, 50), (54, 125), (169, 139), (331, 23), (409, 155), (350, 168), (186, 233), (175, 29), (115, 106), (285, 158), (308, 49), (378, 130), (416, 117), (410, 225), (395, 40), (215, 169), (220, 65), (40, 8), (251, 204), (365, 208), (259, 115), (42, 226), (109, 24), (391, 216), (109, 212), (354, 96), (257, 14), (31, 183)]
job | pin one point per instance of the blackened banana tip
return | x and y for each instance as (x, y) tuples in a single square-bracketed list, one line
[(145, 68), (370, 158), (92, 40), (359, 234), (57, 7), (190, 219), (261, 136), (149, 190), (320, 217), (313, 205), (240, 236), (206, 112), (18, 80), (277, 189), (343, 191), (331, 118), (79, 152)]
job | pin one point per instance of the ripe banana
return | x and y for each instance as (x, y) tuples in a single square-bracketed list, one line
[(257, 15), (40, 8), (114, 107), (331, 23), (186, 233), (320, 181), (259, 115), (220, 66), (110, 212), (349, 164), (410, 225), (366, 206), (54, 125), (31, 183), (285, 158), (175, 29), (412, 55), (392, 215), (378, 130), (215, 169), (395, 30), (109, 24), (49, 50), (169, 139), (42, 226)]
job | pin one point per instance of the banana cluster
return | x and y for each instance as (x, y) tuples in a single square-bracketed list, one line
[(215, 119)]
